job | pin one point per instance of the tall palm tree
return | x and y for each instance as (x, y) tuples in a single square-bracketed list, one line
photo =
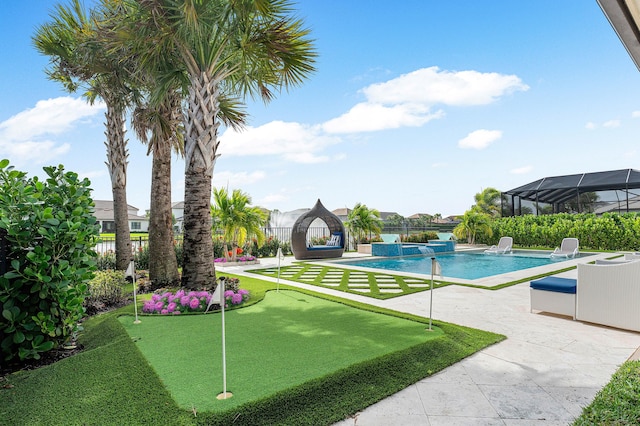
[(363, 220), (237, 219), (225, 48), (163, 120), (78, 59)]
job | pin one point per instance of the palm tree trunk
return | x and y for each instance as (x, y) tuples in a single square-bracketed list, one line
[(201, 144), (163, 266), (117, 164)]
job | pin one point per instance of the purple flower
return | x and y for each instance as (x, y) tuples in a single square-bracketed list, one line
[(242, 291), (149, 306), (236, 299), (155, 297), (184, 300), (171, 307), (179, 293), (176, 312), (195, 303), (159, 305), (228, 293), (164, 312)]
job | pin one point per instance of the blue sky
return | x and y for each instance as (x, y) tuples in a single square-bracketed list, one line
[(416, 106)]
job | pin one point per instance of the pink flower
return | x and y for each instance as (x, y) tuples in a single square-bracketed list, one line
[(184, 300), (228, 293), (159, 305), (195, 303), (171, 307), (236, 299), (176, 312), (164, 312)]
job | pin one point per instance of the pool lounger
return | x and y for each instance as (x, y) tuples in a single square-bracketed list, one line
[(554, 295)]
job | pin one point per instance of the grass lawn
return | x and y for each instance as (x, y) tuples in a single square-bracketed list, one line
[(287, 339), (293, 358)]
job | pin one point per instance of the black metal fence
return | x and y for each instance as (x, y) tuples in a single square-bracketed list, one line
[(282, 234)]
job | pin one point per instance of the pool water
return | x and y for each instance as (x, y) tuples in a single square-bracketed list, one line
[(469, 266)]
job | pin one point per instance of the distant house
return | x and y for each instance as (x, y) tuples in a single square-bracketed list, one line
[(104, 213), (177, 210)]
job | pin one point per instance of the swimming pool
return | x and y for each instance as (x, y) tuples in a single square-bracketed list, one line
[(468, 265)]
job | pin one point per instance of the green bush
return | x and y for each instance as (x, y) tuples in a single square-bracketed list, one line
[(611, 231), (51, 232), (269, 248), (422, 237), (141, 257), (106, 260), (106, 290)]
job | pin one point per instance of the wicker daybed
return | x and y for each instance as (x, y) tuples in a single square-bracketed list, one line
[(334, 247)]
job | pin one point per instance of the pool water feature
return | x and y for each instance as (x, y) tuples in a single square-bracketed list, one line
[(467, 265)]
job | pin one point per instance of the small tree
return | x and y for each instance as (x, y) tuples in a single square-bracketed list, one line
[(238, 221), (363, 220), (473, 224)]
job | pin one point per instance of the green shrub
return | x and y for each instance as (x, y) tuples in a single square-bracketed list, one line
[(106, 290), (141, 257), (269, 248), (611, 231), (106, 260), (422, 237), (51, 232)]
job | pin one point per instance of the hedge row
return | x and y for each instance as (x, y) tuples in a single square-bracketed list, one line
[(611, 231)]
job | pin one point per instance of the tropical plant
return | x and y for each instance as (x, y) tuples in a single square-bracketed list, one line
[(362, 221), (224, 49), (238, 221), (79, 60), (472, 225), (50, 234), (394, 221), (105, 290), (488, 202)]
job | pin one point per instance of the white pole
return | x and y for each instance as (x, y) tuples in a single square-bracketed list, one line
[(224, 394), (280, 256), (132, 271), (433, 267)]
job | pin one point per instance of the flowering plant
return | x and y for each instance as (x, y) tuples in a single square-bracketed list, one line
[(168, 303)]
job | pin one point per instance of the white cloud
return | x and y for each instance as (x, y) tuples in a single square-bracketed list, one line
[(480, 139), (51, 116), (590, 125), (431, 86), (409, 100), (294, 141), (611, 124), (368, 117), (225, 178), (521, 170), (20, 135), (635, 114)]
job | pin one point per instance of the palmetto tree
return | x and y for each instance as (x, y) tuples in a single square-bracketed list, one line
[(473, 224), (233, 215), (224, 48), (362, 221), (163, 120), (79, 60), (488, 201)]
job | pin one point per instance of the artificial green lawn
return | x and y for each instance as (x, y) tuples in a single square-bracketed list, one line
[(112, 383), (285, 340)]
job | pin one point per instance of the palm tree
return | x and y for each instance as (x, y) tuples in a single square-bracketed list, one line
[(237, 219), (164, 122), (488, 201), (78, 59), (363, 220), (224, 48), (473, 224)]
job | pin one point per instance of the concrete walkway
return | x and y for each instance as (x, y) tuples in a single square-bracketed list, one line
[(544, 373)]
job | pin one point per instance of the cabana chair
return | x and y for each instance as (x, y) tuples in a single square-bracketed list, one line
[(568, 248), (504, 246)]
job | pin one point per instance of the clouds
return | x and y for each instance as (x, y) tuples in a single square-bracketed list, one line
[(26, 137), (479, 139), (295, 142), (409, 100)]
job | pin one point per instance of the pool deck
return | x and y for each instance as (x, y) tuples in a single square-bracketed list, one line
[(544, 373)]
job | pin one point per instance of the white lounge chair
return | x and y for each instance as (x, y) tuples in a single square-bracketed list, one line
[(609, 294), (568, 248), (504, 246)]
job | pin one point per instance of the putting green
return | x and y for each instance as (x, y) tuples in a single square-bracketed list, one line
[(285, 340)]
